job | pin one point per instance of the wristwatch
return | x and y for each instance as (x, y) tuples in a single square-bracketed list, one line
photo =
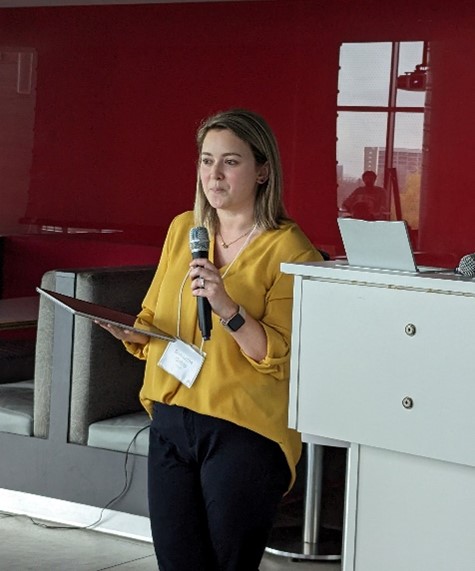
[(236, 321)]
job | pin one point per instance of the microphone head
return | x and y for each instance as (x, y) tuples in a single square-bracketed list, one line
[(199, 239), (466, 266)]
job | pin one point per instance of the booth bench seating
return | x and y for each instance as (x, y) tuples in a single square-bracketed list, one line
[(16, 407), (105, 380), (17, 360)]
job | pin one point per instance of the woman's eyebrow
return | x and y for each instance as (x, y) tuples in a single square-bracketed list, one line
[(231, 153)]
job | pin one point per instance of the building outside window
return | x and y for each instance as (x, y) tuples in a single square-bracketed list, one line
[(383, 93)]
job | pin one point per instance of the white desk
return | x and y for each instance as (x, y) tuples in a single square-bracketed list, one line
[(382, 360)]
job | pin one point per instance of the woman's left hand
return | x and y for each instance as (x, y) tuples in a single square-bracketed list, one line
[(206, 281)]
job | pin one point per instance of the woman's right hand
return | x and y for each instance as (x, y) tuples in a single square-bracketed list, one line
[(124, 334)]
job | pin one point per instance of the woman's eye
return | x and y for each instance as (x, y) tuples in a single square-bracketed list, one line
[(231, 162), (206, 161)]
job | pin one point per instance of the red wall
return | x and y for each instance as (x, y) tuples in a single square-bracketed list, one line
[(26, 258), (121, 89)]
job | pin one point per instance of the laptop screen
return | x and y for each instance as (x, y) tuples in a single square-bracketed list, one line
[(377, 244)]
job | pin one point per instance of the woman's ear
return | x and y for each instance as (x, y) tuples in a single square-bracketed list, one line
[(263, 173)]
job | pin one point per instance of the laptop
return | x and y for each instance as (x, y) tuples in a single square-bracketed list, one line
[(101, 313), (379, 244)]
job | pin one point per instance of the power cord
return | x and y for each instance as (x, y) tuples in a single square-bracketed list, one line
[(108, 505)]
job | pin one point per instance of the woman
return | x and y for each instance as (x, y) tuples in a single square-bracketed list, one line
[(221, 455)]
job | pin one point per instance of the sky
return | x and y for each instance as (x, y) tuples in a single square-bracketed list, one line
[(364, 80)]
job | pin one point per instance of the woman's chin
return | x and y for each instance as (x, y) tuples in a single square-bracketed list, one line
[(217, 203)]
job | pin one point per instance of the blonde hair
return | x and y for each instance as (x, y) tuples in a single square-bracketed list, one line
[(269, 210)]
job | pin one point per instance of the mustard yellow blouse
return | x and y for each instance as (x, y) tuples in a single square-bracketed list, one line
[(230, 385)]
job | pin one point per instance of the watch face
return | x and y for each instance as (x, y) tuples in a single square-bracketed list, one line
[(236, 322)]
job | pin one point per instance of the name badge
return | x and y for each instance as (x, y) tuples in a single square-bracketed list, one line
[(182, 361)]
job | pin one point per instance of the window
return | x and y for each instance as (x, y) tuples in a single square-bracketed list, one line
[(382, 92)]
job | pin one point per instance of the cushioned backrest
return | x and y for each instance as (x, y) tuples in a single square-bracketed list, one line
[(44, 360), (106, 379)]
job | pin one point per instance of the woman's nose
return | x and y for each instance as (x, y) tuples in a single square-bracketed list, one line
[(216, 171)]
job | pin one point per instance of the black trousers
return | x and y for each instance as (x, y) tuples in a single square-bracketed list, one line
[(214, 489)]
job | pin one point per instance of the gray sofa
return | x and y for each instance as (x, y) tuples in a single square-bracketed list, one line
[(81, 412), (105, 379), (105, 382)]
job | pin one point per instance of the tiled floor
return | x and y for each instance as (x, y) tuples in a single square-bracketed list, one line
[(26, 546)]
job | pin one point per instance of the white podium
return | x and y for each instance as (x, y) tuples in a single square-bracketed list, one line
[(383, 360)]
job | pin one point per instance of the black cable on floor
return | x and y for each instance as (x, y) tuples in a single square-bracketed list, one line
[(128, 562), (108, 505)]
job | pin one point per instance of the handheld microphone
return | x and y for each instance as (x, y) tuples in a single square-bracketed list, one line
[(466, 267), (199, 246)]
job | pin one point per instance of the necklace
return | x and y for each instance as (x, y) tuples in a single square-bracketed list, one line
[(227, 244), (251, 232)]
